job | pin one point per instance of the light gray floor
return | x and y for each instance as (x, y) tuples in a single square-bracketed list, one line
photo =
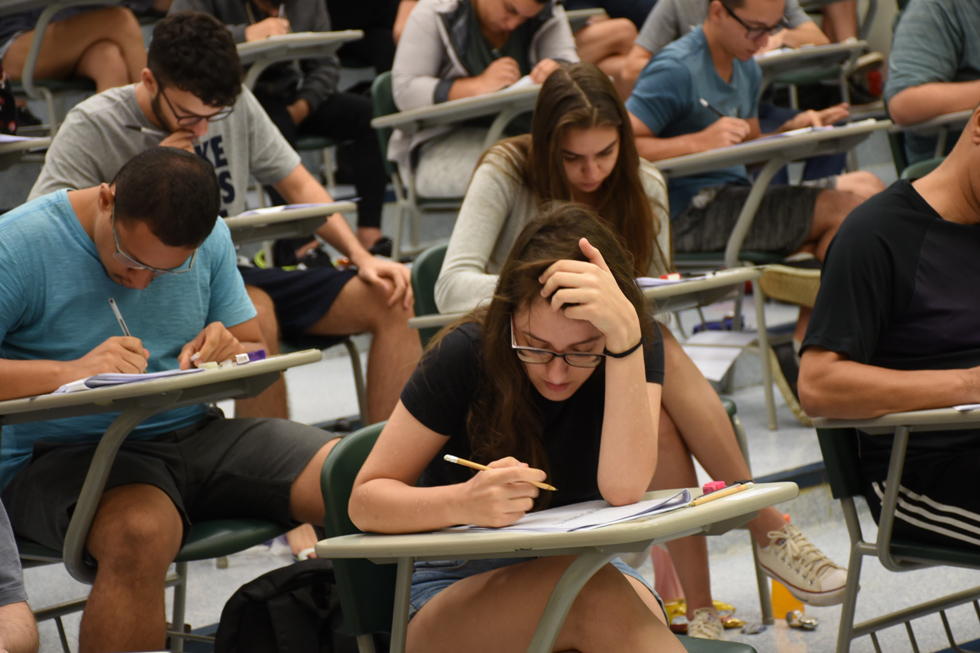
[(324, 392)]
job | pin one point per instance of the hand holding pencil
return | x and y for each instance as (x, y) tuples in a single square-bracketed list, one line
[(503, 492)]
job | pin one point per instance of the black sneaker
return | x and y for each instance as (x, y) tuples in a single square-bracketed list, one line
[(381, 247)]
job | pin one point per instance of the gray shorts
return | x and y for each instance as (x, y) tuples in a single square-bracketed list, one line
[(431, 577), (217, 468), (781, 224)]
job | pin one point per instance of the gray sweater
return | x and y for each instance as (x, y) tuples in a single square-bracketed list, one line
[(319, 76), (494, 212), (430, 52)]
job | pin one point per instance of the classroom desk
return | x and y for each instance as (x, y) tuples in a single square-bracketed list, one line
[(13, 151), (300, 45), (137, 402), (505, 105), (776, 152), (809, 58), (939, 126), (287, 223), (593, 549)]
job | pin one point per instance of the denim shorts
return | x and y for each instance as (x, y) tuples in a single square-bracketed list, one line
[(431, 577)]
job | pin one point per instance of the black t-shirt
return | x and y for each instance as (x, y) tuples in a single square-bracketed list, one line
[(900, 289), (443, 386)]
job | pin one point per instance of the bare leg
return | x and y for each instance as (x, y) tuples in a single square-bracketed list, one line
[(702, 423), (499, 610), (368, 235), (606, 43), (135, 536), (864, 184), (675, 468), (840, 21), (301, 538), (395, 348), (829, 211), (272, 402), (105, 45), (305, 497)]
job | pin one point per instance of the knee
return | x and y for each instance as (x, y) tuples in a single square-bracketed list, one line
[(607, 592), (384, 318), (625, 32), (135, 539), (864, 184)]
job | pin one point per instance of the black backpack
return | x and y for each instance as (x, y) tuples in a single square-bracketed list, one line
[(289, 610)]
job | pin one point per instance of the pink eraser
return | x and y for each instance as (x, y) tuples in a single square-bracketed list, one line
[(713, 486)]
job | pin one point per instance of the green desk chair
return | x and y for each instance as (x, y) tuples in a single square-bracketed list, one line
[(411, 205), (922, 168), (425, 271), (840, 454), (367, 590)]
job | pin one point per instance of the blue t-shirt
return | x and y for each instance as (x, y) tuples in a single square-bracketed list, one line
[(54, 305), (667, 97)]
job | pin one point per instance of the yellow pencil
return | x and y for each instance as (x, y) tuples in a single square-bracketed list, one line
[(720, 494), (472, 465)]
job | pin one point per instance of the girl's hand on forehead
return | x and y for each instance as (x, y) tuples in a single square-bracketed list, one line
[(588, 291)]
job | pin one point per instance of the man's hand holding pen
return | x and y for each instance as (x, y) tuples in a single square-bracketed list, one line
[(119, 354)]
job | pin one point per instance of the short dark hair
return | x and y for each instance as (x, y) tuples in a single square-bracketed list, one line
[(173, 191), (195, 52)]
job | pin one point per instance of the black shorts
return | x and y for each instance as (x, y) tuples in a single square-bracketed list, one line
[(936, 501), (300, 297), (217, 468), (781, 224)]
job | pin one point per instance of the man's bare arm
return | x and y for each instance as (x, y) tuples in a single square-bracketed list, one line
[(832, 385), (919, 103), (18, 630)]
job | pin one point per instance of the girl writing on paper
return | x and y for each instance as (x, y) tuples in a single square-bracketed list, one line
[(581, 148), (558, 378)]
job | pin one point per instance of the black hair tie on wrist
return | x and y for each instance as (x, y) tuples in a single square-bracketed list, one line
[(624, 354)]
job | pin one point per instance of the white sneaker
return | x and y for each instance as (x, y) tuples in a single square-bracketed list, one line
[(705, 624), (806, 572)]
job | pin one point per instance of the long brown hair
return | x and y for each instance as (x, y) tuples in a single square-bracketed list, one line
[(502, 419), (582, 96)]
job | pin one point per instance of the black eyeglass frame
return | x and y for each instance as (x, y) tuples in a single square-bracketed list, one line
[(133, 264), (753, 33), (568, 357), (189, 120)]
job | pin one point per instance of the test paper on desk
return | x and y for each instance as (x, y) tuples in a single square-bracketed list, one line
[(104, 380), (589, 515)]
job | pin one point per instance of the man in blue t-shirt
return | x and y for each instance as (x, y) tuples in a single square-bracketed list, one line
[(150, 240), (894, 329), (714, 62)]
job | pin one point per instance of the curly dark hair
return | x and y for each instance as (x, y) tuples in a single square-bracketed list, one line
[(173, 191), (195, 52)]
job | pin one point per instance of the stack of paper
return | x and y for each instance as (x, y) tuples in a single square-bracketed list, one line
[(103, 380), (588, 515)]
